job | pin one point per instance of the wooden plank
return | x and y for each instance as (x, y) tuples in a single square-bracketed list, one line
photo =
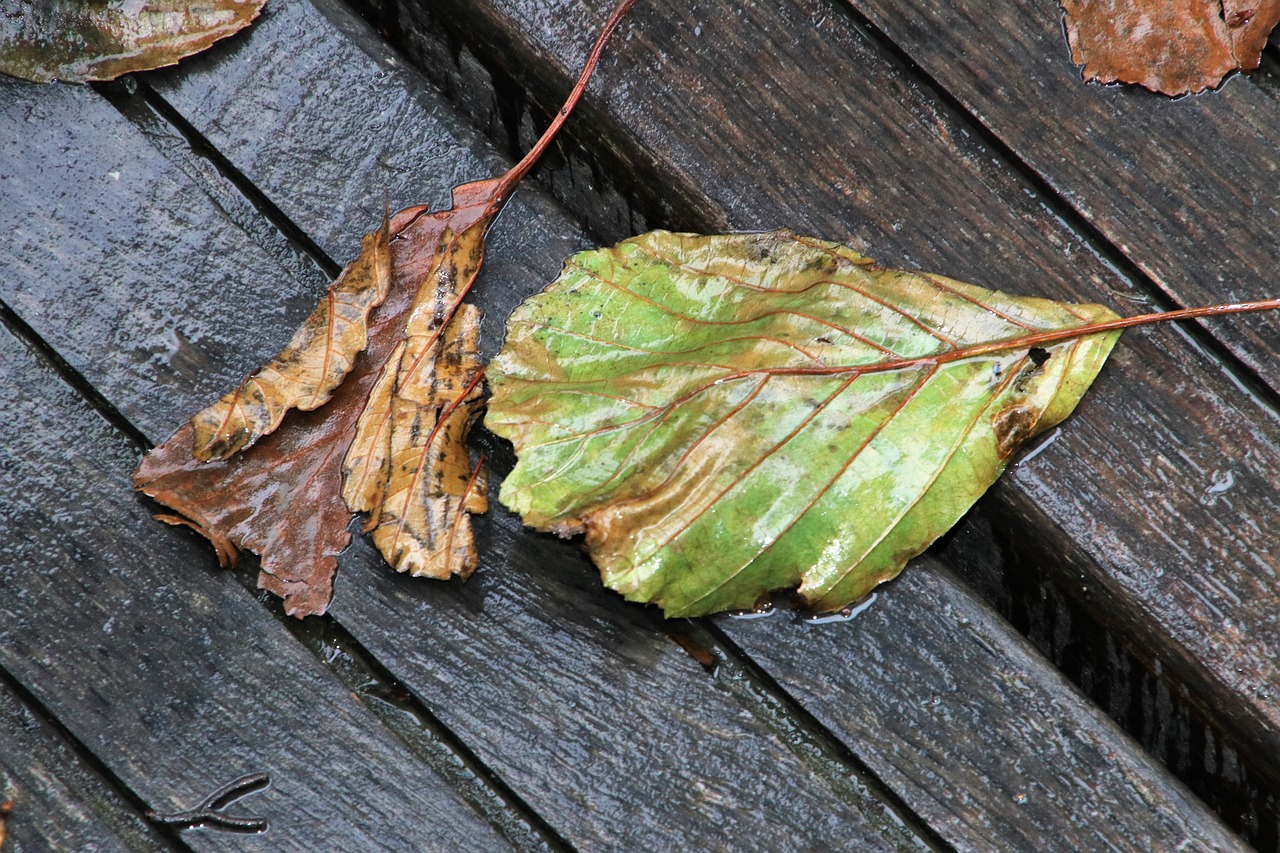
[(176, 340), (664, 757), (1143, 702), (1182, 188), (518, 602), (959, 675), (173, 676), (59, 801), (783, 114)]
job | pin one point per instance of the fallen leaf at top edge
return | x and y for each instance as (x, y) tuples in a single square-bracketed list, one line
[(1170, 46), (717, 414), (77, 41)]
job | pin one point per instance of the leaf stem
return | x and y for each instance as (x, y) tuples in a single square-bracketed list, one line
[(1037, 339), (1157, 317), (518, 171)]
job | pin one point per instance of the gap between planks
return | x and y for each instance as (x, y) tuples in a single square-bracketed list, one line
[(163, 835), (324, 636), (1235, 371)]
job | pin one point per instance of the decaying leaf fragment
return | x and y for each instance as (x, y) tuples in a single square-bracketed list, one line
[(81, 40), (367, 409), (725, 416), (1169, 46), (409, 467)]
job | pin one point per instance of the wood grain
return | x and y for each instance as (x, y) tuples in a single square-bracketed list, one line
[(1184, 188), (929, 671), (1129, 492), (534, 607), (170, 673), (59, 801), (662, 755)]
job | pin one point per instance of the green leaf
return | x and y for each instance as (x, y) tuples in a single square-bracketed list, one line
[(725, 416)]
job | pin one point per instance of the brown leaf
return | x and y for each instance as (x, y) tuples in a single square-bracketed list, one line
[(311, 365), (1169, 46), (432, 486), (367, 409), (77, 41), (283, 499), (6, 809)]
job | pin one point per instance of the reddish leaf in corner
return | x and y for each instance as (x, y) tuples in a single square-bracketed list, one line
[(1169, 46), (367, 409)]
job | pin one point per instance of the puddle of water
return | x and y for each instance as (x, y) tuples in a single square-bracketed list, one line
[(844, 614)]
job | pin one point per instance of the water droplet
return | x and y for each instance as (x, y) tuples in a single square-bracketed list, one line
[(1222, 483), (758, 612)]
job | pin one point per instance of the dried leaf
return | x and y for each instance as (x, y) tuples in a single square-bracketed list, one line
[(367, 409), (420, 530), (1169, 46), (725, 416), (6, 809), (311, 365), (283, 498), (81, 40)]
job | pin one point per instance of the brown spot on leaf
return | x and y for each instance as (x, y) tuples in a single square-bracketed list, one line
[(1014, 426), (1241, 17), (6, 809)]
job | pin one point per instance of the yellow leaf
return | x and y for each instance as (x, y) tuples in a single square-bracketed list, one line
[(311, 365)]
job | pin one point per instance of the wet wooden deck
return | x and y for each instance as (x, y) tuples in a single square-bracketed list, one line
[(1091, 661)]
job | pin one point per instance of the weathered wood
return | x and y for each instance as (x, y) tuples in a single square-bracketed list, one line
[(59, 802), (535, 606), (1184, 188), (1129, 495), (1151, 708), (967, 697), (172, 675), (664, 756)]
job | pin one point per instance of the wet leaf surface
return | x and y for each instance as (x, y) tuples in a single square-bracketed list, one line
[(235, 477), (1169, 46), (367, 409), (725, 416), (312, 364), (77, 41)]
